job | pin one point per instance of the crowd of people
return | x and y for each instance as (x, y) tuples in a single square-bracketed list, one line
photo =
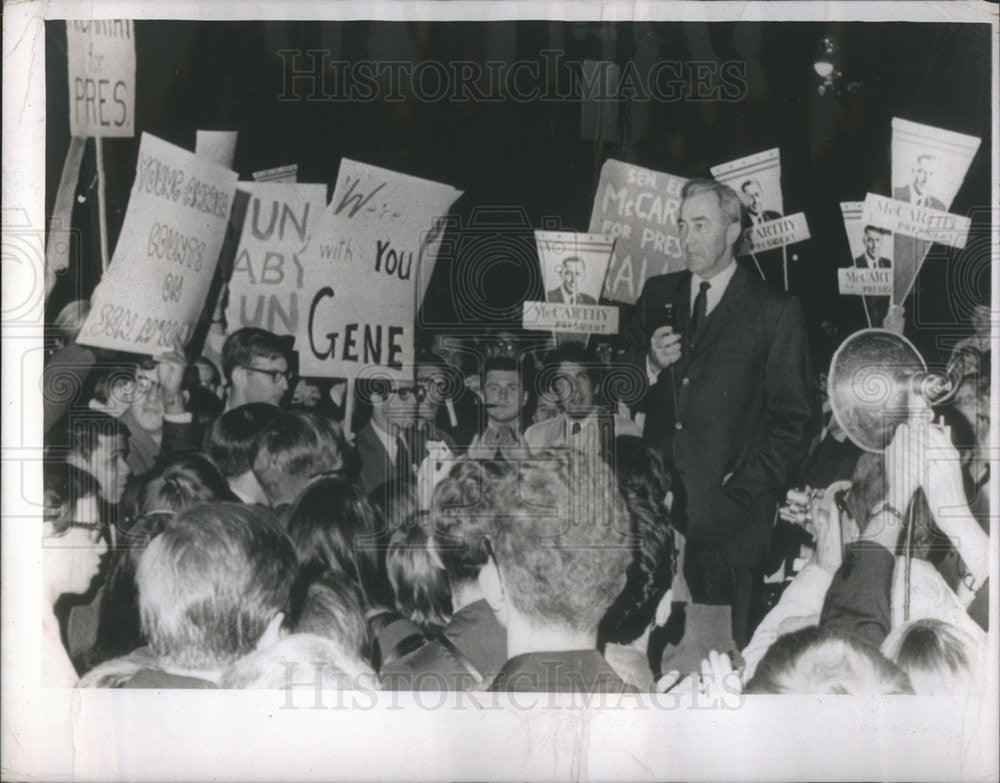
[(514, 515)]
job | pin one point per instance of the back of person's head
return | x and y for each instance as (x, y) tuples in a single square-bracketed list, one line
[(561, 537), (643, 483), (183, 483), (332, 524), (460, 518), (231, 439), (418, 579), (938, 657), (70, 320), (247, 344), (300, 657), (292, 449), (211, 582), (333, 608), (815, 660)]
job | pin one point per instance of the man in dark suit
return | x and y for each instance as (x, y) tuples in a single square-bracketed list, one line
[(730, 400), (918, 192), (569, 292)]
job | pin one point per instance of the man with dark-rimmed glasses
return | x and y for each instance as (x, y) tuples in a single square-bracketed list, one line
[(255, 363)]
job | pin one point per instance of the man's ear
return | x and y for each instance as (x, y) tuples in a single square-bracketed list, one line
[(524, 399), (733, 232), (239, 377), (663, 609), (491, 584), (273, 633)]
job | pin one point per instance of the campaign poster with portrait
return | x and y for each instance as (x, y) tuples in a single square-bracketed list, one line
[(928, 167), (574, 267), (868, 271), (757, 181)]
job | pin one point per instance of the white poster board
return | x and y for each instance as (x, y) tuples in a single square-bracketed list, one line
[(638, 208), (266, 287), (574, 267), (370, 260), (101, 59), (154, 290)]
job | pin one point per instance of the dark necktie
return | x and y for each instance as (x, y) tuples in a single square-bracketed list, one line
[(700, 306)]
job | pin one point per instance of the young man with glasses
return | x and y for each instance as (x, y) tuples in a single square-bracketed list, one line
[(255, 363)]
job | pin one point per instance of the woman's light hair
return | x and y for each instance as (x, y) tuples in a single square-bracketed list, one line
[(298, 658)]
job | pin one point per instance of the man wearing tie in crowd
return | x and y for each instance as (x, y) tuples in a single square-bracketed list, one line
[(569, 292), (504, 397), (729, 399)]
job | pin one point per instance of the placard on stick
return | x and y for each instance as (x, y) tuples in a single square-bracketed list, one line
[(574, 267), (101, 59), (266, 289), (928, 167), (868, 271), (757, 181), (369, 262), (155, 287), (638, 208)]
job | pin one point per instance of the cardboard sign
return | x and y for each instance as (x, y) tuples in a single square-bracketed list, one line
[(101, 60), (757, 181), (928, 167), (771, 234), (216, 146), (638, 208), (155, 287), (573, 270), (569, 318), (371, 257), (923, 223), (266, 287), (865, 282), (289, 173)]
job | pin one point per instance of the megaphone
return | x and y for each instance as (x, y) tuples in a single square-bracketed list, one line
[(875, 377)]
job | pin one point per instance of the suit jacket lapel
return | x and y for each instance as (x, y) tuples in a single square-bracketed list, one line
[(714, 323)]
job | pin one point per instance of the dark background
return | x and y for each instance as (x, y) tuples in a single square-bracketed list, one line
[(530, 158)]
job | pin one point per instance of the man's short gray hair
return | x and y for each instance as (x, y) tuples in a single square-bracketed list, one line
[(729, 202)]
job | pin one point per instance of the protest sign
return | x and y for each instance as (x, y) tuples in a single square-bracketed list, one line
[(638, 208), (216, 146), (925, 224), (154, 290), (573, 270), (757, 181), (266, 286), (101, 59), (371, 256), (870, 262), (287, 173), (865, 282), (928, 167)]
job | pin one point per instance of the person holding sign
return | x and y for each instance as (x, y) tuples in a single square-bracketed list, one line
[(729, 399), (571, 271)]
